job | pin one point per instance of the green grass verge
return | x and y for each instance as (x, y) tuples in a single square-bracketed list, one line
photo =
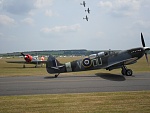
[(118, 102)]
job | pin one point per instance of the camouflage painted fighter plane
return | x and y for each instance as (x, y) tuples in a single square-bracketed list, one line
[(83, 3), (88, 10), (86, 18), (103, 60), (28, 59)]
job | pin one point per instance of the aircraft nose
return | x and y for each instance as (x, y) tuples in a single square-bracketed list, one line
[(146, 49), (137, 52)]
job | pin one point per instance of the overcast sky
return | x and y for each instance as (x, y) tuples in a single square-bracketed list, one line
[(32, 25)]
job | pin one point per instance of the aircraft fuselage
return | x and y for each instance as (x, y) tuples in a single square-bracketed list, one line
[(106, 60)]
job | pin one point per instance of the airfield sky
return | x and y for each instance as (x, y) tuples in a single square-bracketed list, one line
[(31, 25)]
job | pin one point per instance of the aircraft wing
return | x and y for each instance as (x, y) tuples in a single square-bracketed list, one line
[(19, 62), (24, 62), (120, 63), (39, 62)]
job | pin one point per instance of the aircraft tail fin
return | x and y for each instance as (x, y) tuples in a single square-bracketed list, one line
[(53, 65)]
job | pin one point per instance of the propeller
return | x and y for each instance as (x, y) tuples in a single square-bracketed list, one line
[(28, 57), (145, 48), (142, 39), (23, 54)]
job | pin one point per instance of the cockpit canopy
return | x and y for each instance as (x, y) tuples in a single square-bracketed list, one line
[(100, 54)]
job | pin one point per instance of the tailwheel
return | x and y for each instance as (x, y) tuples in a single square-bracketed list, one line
[(125, 71), (57, 75)]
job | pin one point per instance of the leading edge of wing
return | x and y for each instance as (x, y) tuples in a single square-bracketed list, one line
[(16, 62), (38, 62), (24, 62), (123, 62)]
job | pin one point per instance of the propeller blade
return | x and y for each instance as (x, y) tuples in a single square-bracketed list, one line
[(147, 58), (23, 54), (142, 39), (145, 48)]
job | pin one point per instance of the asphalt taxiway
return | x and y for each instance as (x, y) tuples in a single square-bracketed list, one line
[(100, 82)]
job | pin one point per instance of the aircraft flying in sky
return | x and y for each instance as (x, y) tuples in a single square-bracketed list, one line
[(28, 59), (87, 19), (103, 60), (88, 10), (83, 3)]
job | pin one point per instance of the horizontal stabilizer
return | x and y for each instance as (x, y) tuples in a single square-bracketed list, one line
[(58, 67)]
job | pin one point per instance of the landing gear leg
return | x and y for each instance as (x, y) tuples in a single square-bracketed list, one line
[(57, 75), (126, 71), (24, 66)]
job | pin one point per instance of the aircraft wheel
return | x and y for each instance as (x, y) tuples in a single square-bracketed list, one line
[(123, 72), (57, 75), (129, 72)]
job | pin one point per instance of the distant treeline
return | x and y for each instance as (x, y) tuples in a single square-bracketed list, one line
[(79, 52), (52, 52)]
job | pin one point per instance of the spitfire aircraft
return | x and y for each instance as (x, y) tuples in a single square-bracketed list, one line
[(28, 59), (88, 10), (86, 18), (83, 3), (103, 60)]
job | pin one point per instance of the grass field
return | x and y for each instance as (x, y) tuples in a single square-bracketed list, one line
[(7, 69), (118, 102), (111, 102)]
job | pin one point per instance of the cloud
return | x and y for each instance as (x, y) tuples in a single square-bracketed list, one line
[(42, 3), (58, 29), (49, 13), (28, 21), (141, 24), (21, 7), (105, 4), (18, 7), (120, 7), (6, 20), (1, 35)]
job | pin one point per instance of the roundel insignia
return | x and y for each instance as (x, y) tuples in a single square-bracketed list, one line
[(87, 62)]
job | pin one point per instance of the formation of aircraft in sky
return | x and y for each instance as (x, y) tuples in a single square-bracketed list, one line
[(28, 59), (88, 10), (103, 60)]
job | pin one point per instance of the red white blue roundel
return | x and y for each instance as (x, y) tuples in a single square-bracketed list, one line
[(86, 62)]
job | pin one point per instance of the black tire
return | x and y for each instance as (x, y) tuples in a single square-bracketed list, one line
[(129, 72), (123, 72)]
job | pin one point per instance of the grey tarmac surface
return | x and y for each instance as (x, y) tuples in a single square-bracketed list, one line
[(100, 82)]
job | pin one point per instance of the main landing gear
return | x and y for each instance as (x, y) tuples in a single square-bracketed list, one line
[(126, 71), (24, 66), (57, 75)]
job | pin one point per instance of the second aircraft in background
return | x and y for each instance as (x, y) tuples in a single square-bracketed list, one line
[(28, 59)]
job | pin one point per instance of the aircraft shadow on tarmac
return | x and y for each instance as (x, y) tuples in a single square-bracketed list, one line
[(112, 77), (67, 76), (107, 76)]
